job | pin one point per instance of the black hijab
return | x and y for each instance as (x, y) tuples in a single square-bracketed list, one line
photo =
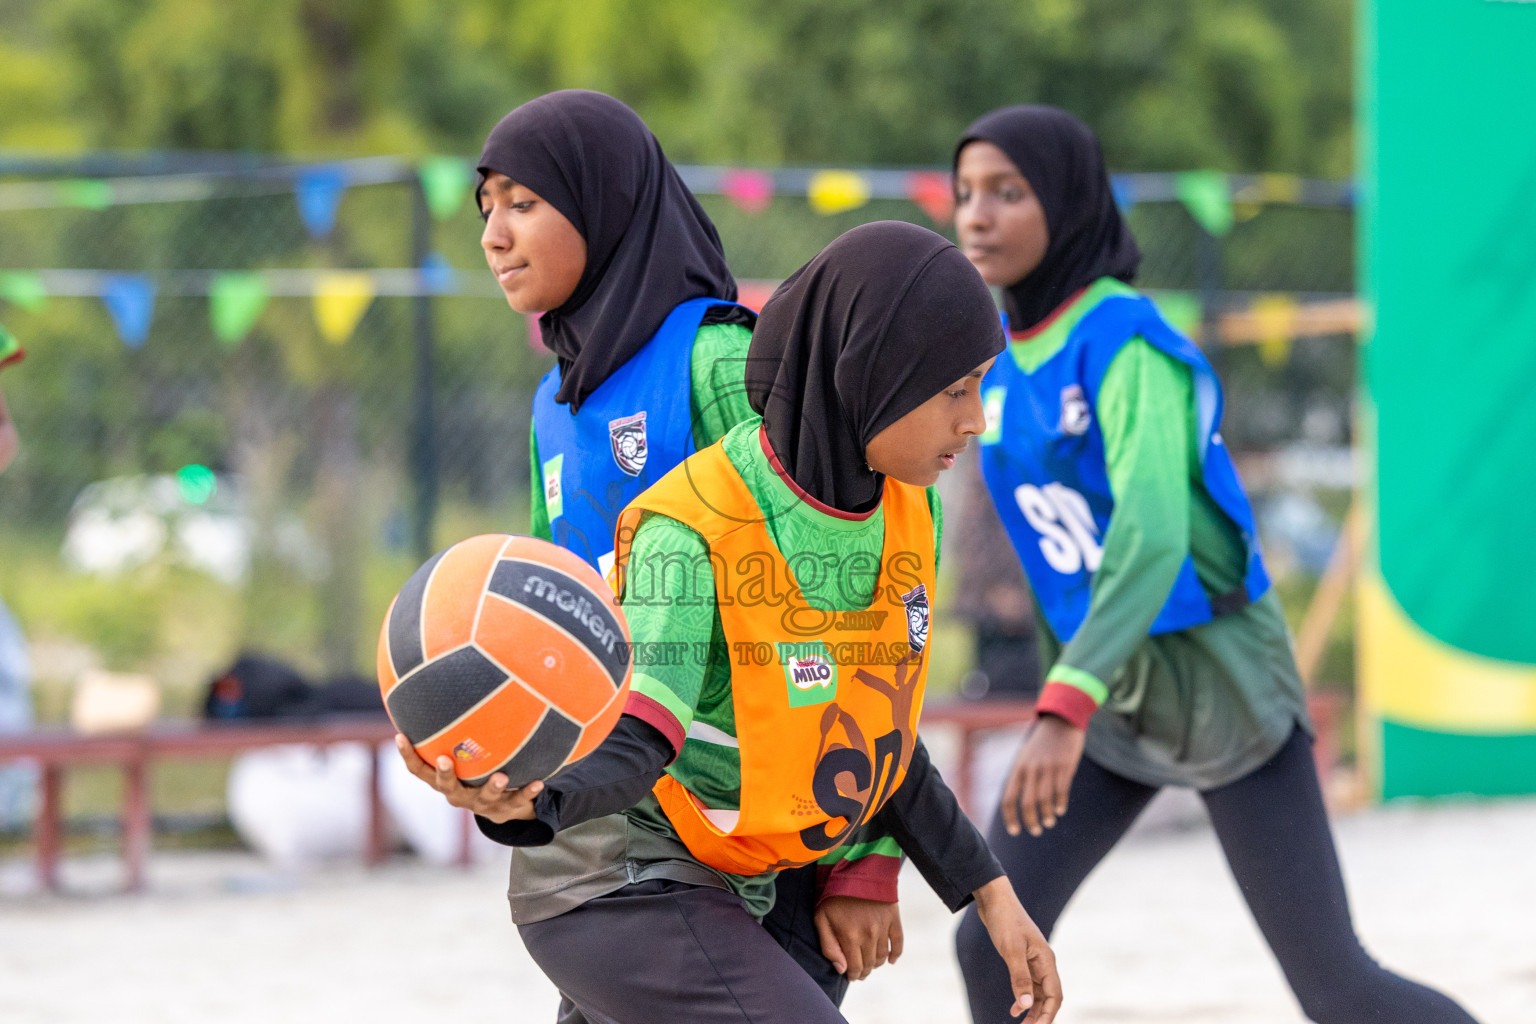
[(649, 244), (882, 320), (1061, 159)]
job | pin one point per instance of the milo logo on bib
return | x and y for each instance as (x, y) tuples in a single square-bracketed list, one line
[(809, 672)]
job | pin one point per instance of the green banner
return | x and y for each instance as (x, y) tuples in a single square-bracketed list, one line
[(1448, 264)]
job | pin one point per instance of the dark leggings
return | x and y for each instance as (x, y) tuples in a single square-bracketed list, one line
[(1274, 832)]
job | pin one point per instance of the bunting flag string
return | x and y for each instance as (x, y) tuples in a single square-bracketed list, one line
[(1215, 199), (341, 298)]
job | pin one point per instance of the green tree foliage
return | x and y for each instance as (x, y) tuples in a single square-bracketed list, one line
[(1233, 84)]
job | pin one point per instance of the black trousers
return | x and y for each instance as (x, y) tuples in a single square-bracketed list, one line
[(1274, 831), (662, 952)]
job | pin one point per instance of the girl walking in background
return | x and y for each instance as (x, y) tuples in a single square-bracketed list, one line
[(1169, 662)]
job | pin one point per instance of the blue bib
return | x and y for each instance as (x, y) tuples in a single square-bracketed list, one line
[(629, 433), (1043, 459)]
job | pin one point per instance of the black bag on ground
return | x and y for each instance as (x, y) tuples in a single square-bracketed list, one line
[(257, 687)]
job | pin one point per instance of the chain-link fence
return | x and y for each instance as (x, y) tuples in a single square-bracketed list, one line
[(258, 393)]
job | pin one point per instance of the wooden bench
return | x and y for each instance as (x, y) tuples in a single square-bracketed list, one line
[(57, 750)]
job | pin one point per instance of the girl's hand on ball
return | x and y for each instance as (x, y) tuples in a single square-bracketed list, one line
[(492, 801)]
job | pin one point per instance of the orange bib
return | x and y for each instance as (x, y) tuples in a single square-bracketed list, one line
[(826, 703)]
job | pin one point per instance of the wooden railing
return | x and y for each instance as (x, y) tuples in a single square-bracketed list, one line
[(55, 751)]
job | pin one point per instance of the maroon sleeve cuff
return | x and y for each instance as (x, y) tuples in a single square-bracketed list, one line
[(1066, 701), (868, 878), (653, 714), (13, 358)]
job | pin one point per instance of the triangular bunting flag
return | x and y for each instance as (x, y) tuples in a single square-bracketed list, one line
[(1124, 192), (1208, 198), (751, 191), (23, 288), (1274, 320), (319, 191), (341, 299), (934, 194), (235, 302), (445, 181), (832, 192), (86, 193), (437, 277), (130, 298)]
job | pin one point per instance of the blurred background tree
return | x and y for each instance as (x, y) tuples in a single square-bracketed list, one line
[(1239, 85)]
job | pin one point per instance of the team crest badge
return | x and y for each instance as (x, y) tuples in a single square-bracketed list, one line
[(627, 436), (468, 750), (1075, 415), (916, 601)]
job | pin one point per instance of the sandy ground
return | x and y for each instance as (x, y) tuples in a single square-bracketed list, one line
[(1158, 934)]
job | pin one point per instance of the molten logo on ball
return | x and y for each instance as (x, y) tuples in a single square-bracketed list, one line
[(575, 605)]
